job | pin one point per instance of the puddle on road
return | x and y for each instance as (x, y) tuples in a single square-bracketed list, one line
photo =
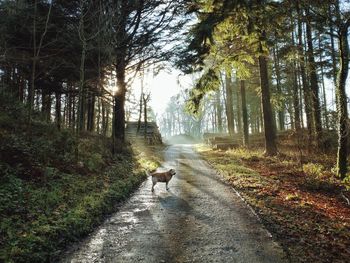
[(93, 248)]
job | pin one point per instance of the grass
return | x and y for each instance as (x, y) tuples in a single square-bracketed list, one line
[(39, 220), (48, 199), (301, 206)]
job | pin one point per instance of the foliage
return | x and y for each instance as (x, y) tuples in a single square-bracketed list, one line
[(209, 81), (317, 178), (313, 169), (47, 199)]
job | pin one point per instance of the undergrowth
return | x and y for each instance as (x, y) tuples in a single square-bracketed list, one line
[(305, 207), (48, 199)]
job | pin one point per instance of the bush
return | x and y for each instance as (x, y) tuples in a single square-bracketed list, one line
[(313, 169), (94, 162), (318, 179)]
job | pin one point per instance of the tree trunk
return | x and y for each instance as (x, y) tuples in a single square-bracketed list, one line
[(118, 126), (65, 112), (140, 108), (98, 120), (74, 113), (239, 107), (46, 105), (280, 112), (342, 100), (229, 103), (269, 127), (295, 91), (244, 115), (305, 84), (118, 130), (81, 92), (297, 119), (91, 112), (58, 110), (315, 102), (119, 117), (69, 106), (108, 113), (325, 111), (21, 89), (31, 87), (334, 63), (36, 53), (145, 100), (301, 112), (219, 111), (104, 118), (333, 52)]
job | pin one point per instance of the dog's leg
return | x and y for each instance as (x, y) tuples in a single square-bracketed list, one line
[(166, 186), (153, 184)]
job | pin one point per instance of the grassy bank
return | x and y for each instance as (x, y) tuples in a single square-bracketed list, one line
[(48, 199), (303, 207)]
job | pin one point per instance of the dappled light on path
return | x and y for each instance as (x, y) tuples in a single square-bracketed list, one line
[(200, 219)]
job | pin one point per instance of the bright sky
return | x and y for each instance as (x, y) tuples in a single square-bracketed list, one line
[(162, 87)]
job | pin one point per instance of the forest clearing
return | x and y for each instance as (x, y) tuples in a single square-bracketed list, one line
[(247, 102)]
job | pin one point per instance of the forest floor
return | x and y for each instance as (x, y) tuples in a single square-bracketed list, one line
[(304, 207), (48, 198)]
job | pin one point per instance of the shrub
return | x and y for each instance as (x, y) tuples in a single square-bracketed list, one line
[(318, 179), (94, 161), (313, 169)]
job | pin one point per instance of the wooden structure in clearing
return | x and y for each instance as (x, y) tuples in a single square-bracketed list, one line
[(226, 142)]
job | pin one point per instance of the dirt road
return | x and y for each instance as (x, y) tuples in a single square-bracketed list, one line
[(199, 219)]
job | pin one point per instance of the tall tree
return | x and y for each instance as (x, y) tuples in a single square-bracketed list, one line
[(244, 115), (142, 29), (305, 84), (339, 21), (229, 102), (315, 100)]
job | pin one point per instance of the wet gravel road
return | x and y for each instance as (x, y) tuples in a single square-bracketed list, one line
[(200, 219)]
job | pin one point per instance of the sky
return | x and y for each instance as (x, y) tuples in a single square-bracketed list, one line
[(162, 87), (170, 82)]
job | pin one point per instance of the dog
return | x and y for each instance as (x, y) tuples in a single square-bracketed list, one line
[(163, 177)]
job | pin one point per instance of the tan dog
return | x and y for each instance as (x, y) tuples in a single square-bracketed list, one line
[(163, 177)]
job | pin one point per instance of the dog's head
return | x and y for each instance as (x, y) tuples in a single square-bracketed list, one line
[(172, 172)]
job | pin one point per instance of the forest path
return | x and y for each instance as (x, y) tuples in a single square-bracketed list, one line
[(200, 219)]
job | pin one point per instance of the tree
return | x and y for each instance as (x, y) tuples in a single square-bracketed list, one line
[(342, 99), (229, 102), (244, 115), (256, 38), (316, 109), (141, 27), (339, 23)]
